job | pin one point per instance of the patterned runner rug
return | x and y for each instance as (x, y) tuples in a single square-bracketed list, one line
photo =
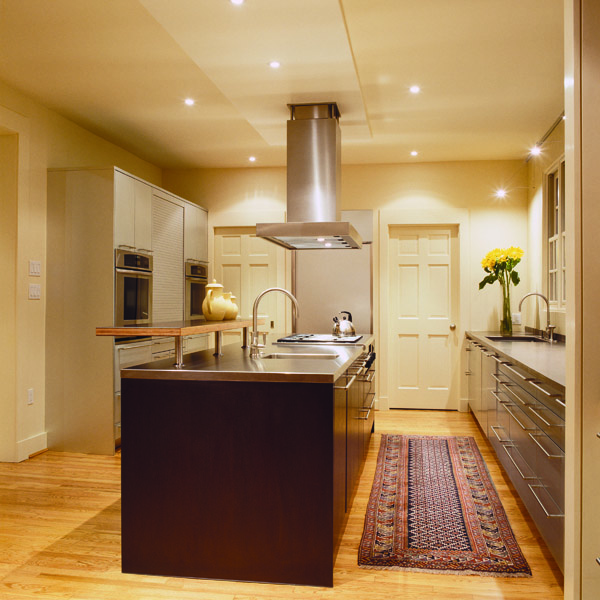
[(434, 508)]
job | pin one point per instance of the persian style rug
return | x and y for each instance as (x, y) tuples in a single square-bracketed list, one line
[(433, 508)]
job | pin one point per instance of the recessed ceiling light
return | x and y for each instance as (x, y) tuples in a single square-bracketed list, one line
[(414, 89), (274, 64), (237, 2), (536, 151), (500, 193), (328, 245), (414, 153), (252, 158), (320, 239), (190, 101)]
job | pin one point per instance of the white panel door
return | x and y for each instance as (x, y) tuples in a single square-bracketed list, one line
[(247, 265), (423, 304)]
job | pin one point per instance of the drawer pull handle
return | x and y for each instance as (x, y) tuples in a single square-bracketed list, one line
[(347, 386), (512, 460), (516, 396), (537, 414), (509, 365), (493, 428), (549, 515), (536, 385), (517, 420), (557, 399), (370, 377), (495, 394), (598, 434), (365, 409), (502, 362), (500, 380), (534, 438), (598, 560)]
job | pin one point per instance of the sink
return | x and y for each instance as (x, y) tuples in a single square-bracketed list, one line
[(515, 338), (294, 355)]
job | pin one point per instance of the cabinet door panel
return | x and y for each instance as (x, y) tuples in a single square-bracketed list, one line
[(143, 216), (124, 218)]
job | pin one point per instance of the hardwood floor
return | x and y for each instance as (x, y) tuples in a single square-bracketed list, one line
[(60, 536)]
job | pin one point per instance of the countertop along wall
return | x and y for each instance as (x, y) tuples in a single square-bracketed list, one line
[(45, 140)]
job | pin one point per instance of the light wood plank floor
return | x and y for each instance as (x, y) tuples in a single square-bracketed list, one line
[(60, 536)]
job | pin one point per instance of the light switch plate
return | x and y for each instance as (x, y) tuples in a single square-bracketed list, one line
[(35, 268), (516, 318), (35, 291)]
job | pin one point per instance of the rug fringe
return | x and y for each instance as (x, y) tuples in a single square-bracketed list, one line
[(444, 571)]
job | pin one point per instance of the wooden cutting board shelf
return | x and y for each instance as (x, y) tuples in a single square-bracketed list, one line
[(178, 329)]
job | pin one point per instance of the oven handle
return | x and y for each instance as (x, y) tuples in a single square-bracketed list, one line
[(142, 273)]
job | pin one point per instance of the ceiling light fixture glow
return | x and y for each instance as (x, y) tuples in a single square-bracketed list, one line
[(274, 64), (414, 153), (414, 89), (237, 2), (500, 193), (190, 101), (252, 158), (536, 151)]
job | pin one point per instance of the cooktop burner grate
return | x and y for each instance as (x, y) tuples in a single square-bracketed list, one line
[(320, 338)]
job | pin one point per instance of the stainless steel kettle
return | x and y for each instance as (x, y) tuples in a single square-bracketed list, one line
[(345, 325)]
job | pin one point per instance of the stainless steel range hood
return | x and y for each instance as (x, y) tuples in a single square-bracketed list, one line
[(313, 183)]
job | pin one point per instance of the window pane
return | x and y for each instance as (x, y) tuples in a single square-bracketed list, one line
[(562, 197), (552, 287), (550, 206)]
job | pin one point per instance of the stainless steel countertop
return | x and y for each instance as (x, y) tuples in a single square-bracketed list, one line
[(236, 365), (543, 360)]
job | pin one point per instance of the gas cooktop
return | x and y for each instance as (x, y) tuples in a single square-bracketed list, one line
[(319, 338)]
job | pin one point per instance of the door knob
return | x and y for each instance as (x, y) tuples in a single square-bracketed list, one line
[(452, 326)]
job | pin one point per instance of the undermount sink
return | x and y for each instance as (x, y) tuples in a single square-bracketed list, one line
[(294, 355), (515, 338)]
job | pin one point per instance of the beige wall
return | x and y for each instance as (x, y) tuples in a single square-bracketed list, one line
[(43, 140)]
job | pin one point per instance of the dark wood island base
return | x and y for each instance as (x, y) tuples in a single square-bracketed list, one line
[(233, 480)]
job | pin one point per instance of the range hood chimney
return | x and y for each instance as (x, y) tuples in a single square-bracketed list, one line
[(313, 183)]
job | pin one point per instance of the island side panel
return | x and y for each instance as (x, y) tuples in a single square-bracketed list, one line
[(228, 480)]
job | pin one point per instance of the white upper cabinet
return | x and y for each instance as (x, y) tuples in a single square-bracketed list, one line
[(133, 213), (195, 233)]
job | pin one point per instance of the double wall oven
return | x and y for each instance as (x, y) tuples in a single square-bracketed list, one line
[(196, 278), (133, 288)]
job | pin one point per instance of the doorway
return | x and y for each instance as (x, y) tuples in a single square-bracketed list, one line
[(423, 312)]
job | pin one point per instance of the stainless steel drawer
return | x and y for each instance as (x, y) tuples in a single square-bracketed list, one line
[(550, 469)]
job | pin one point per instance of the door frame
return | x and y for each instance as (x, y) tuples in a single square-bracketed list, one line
[(420, 217)]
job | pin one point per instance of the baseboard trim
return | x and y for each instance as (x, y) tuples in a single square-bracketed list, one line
[(32, 445)]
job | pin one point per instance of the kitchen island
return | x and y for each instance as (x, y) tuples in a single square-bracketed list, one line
[(241, 468)]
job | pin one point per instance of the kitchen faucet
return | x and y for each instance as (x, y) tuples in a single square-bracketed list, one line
[(254, 344), (549, 328)]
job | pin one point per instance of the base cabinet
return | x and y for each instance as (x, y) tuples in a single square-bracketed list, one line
[(525, 424), (248, 481)]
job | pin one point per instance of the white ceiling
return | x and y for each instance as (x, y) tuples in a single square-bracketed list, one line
[(491, 74)]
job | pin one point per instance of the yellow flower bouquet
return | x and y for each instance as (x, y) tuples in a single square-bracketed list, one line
[(499, 264)]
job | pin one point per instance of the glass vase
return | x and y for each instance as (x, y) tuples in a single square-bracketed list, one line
[(506, 327)]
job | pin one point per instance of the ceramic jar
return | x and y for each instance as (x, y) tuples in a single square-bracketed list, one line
[(214, 305), (232, 309)]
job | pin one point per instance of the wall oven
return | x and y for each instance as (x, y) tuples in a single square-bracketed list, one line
[(133, 288), (196, 278)]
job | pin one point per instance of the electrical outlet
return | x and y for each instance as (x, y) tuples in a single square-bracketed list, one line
[(30, 396), (516, 318)]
